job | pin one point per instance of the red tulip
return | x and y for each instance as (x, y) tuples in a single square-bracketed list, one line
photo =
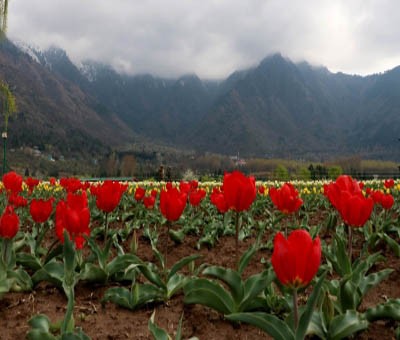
[(31, 183), (296, 259), (149, 201), (286, 199), (184, 187), (139, 193), (17, 201), (343, 183), (154, 193), (71, 184), (41, 209), (261, 190), (73, 215), (355, 209), (172, 203), (196, 196), (12, 182), (217, 198), (239, 191), (389, 183), (385, 200), (193, 184), (108, 195), (9, 223)]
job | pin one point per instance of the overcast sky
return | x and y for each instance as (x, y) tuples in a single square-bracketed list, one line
[(212, 38)]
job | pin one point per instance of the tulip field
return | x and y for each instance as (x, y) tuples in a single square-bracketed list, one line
[(236, 259)]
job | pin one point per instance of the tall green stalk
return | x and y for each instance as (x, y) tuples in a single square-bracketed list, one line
[(237, 221)]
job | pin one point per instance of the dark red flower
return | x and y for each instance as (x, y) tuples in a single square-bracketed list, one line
[(194, 184), (73, 215), (139, 193), (172, 203), (355, 209), (385, 200), (261, 189), (31, 183), (12, 182), (149, 201), (389, 183), (41, 209), (154, 193), (17, 201), (52, 181), (71, 184), (184, 187), (196, 196), (217, 198), (239, 190), (296, 259), (343, 183), (109, 195), (9, 223), (286, 199)]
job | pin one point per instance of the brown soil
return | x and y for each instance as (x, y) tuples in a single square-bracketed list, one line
[(111, 322)]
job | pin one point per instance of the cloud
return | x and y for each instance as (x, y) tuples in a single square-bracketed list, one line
[(213, 37)]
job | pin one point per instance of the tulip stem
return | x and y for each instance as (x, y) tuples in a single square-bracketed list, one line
[(106, 229), (166, 249), (43, 231), (295, 309), (350, 231), (237, 239)]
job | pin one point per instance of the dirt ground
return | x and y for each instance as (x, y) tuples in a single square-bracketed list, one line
[(111, 322)]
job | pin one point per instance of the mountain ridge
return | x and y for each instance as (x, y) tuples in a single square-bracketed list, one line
[(276, 108)]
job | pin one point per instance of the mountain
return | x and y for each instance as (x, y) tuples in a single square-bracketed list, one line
[(276, 109), (54, 107)]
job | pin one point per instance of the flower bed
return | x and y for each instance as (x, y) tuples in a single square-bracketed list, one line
[(130, 258)]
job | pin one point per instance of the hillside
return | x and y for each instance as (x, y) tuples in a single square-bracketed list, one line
[(275, 109)]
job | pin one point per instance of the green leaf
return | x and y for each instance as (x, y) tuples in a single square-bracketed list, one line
[(388, 310), (69, 261), (246, 257), (181, 263), (253, 286), (316, 326), (28, 261), (343, 262), (344, 325), (373, 279), (120, 263), (120, 296), (177, 235), (40, 325), (149, 272), (209, 293), (270, 324), (179, 329), (349, 295), (392, 244), (174, 284), (21, 281), (229, 277), (40, 322), (306, 316), (157, 332), (39, 335), (52, 272), (93, 273)]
